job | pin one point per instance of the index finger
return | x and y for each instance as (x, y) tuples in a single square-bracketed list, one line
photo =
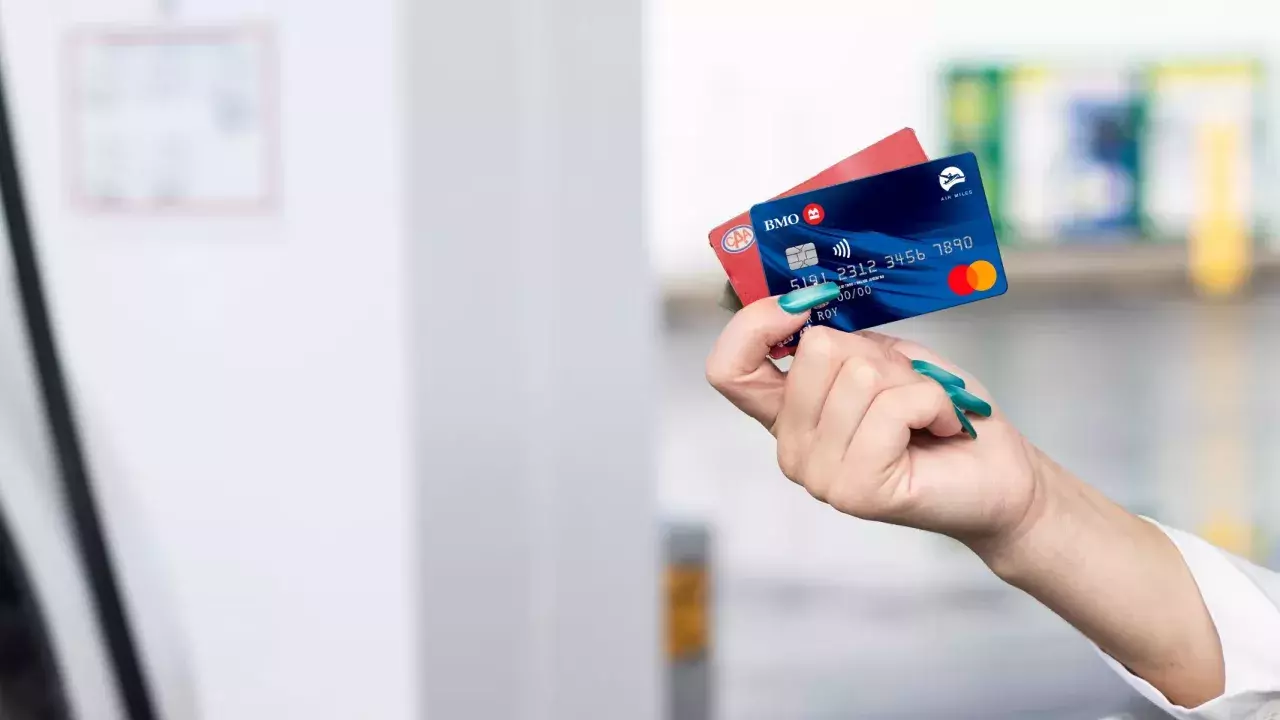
[(739, 365)]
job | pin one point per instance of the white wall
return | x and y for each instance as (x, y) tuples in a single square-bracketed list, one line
[(243, 380), (749, 98)]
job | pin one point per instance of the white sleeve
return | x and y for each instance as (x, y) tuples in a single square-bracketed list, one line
[(1248, 623)]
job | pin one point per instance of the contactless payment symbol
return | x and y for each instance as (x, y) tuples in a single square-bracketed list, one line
[(802, 256), (738, 239), (813, 213), (950, 177), (975, 277)]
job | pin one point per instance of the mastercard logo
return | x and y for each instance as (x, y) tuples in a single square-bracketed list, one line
[(975, 277)]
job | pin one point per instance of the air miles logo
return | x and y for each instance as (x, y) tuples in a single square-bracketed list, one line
[(738, 239), (813, 213), (975, 277), (950, 177)]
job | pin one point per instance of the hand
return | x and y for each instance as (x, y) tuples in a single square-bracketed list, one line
[(861, 430)]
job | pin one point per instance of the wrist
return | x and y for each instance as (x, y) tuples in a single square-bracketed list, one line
[(1066, 523), (1023, 546), (1116, 578)]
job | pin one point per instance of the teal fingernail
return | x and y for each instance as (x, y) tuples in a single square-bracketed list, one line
[(797, 301), (964, 423), (968, 402), (928, 369)]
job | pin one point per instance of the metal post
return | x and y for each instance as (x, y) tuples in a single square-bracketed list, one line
[(689, 620)]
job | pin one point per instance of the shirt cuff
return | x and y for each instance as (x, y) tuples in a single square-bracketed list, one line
[(1248, 625)]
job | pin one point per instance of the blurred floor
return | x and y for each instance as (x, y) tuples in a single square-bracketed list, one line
[(1164, 402)]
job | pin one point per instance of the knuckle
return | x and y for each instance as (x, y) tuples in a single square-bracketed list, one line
[(817, 490), (897, 358), (865, 375), (718, 373), (818, 342), (938, 395), (869, 346), (854, 498), (791, 460), (819, 478)]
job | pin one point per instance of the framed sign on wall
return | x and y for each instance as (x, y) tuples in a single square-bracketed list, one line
[(172, 119)]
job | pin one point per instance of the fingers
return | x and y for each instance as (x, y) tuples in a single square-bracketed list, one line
[(739, 365), (882, 437), (848, 410), (861, 378), (832, 382), (875, 474), (818, 359), (862, 439), (822, 355)]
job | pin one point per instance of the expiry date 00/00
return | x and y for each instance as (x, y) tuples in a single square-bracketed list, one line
[(827, 312)]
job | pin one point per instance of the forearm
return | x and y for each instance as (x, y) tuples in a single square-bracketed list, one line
[(1116, 578)]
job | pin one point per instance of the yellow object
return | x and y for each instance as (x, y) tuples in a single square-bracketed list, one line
[(688, 619), (1207, 71), (1231, 535), (1030, 74), (1219, 247), (981, 275), (1220, 434), (968, 104)]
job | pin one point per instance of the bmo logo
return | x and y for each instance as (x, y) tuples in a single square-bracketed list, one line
[(784, 221), (814, 214)]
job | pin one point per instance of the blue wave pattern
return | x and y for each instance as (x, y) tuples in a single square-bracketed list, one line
[(905, 235)]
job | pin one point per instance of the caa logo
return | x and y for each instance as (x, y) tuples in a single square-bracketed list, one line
[(738, 239), (784, 221), (813, 213), (950, 177)]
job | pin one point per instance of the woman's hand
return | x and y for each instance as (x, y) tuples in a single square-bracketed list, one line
[(863, 431)]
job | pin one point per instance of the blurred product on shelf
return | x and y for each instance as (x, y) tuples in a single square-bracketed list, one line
[(1118, 155), (975, 103)]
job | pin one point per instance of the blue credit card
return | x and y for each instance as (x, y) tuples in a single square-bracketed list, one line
[(900, 244)]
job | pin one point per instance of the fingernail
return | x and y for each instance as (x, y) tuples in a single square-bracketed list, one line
[(964, 423), (928, 369), (968, 402), (797, 301)]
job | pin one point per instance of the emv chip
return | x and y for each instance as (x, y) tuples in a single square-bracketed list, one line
[(802, 256)]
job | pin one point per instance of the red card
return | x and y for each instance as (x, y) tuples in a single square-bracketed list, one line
[(735, 241)]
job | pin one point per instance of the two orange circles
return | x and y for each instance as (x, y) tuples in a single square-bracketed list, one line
[(979, 276)]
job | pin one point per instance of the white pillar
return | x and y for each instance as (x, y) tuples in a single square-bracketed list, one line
[(534, 356)]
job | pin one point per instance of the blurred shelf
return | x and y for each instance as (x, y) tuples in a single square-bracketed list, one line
[(1130, 267), (1086, 264)]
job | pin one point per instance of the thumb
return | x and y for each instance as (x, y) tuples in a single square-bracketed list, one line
[(739, 365)]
